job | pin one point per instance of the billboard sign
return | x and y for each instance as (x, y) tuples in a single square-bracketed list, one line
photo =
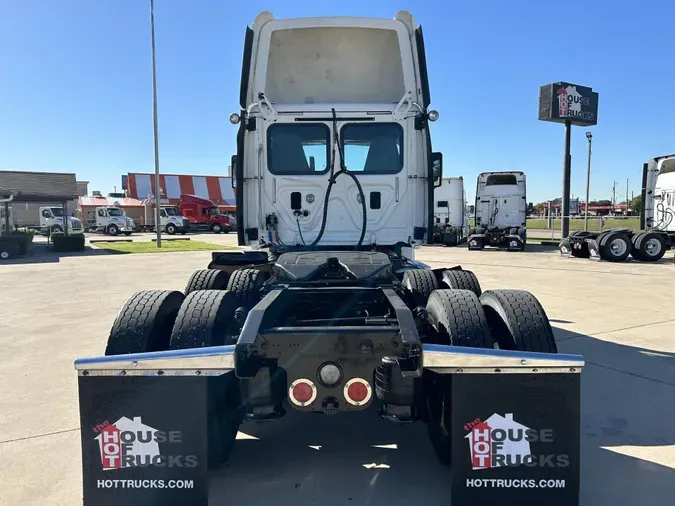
[(560, 102)]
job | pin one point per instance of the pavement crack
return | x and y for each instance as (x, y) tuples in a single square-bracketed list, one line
[(35, 436), (634, 327), (631, 374)]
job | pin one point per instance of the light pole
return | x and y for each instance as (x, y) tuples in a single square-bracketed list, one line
[(589, 136), (154, 120)]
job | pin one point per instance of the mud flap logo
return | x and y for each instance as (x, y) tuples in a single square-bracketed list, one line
[(131, 443), (501, 441)]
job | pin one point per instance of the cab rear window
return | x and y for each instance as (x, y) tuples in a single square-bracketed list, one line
[(298, 149), (500, 179)]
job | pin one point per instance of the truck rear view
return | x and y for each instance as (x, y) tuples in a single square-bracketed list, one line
[(501, 206)]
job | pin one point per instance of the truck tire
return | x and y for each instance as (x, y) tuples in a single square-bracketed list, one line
[(651, 246), (144, 323), (127, 234), (207, 279), (206, 318), (170, 228), (247, 284), (635, 250), (457, 319), (518, 321), (615, 247), (112, 230), (522, 232), (419, 284), (56, 229), (461, 280), (216, 228)]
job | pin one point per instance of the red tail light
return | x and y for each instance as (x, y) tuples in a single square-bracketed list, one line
[(302, 392), (357, 391)]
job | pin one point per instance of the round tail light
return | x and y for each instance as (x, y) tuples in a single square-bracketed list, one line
[(302, 392), (358, 391)]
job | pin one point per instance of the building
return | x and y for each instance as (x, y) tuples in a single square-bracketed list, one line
[(32, 190), (218, 189)]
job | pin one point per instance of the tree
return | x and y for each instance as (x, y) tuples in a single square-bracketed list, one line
[(636, 205)]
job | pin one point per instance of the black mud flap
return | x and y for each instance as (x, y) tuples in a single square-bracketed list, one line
[(144, 440), (475, 242), (593, 249), (515, 439), (515, 243), (565, 248)]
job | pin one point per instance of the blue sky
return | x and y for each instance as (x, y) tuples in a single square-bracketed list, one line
[(75, 86)]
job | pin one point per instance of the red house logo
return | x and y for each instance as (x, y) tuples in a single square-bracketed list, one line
[(126, 443), (498, 441)]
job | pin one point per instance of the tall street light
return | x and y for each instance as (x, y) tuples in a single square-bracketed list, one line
[(158, 228), (589, 136)]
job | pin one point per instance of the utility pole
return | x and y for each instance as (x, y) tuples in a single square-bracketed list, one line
[(613, 196), (158, 228), (589, 136), (626, 197)]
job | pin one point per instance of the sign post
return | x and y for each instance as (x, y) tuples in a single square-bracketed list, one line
[(570, 104)]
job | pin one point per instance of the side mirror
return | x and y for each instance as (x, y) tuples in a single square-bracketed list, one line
[(233, 175), (437, 164)]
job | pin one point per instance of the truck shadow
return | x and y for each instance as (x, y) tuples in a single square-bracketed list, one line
[(359, 459), (41, 253), (343, 459), (627, 430)]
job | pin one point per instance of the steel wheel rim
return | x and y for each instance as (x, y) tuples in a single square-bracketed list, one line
[(653, 247), (618, 247)]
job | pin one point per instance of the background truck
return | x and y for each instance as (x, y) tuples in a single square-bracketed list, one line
[(500, 212), (5, 219), (451, 222), (51, 221), (657, 222), (203, 214), (170, 218), (329, 312), (110, 220)]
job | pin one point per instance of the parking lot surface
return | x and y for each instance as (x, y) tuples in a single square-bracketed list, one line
[(619, 316)]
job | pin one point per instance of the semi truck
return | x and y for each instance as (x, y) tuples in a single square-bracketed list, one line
[(451, 221), (170, 219), (203, 214), (51, 221), (327, 311), (657, 222), (500, 212), (110, 220)]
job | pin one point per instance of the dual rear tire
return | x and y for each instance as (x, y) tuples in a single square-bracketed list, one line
[(505, 319), (157, 320)]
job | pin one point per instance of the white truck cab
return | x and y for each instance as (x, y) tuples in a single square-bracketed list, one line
[(171, 221), (51, 221), (500, 211), (451, 221), (334, 149), (659, 194), (112, 220)]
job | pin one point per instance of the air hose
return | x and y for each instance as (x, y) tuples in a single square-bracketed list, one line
[(331, 182)]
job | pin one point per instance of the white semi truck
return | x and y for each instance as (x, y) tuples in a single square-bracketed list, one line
[(110, 220), (329, 312), (170, 219), (51, 221), (500, 212), (657, 222), (451, 222)]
